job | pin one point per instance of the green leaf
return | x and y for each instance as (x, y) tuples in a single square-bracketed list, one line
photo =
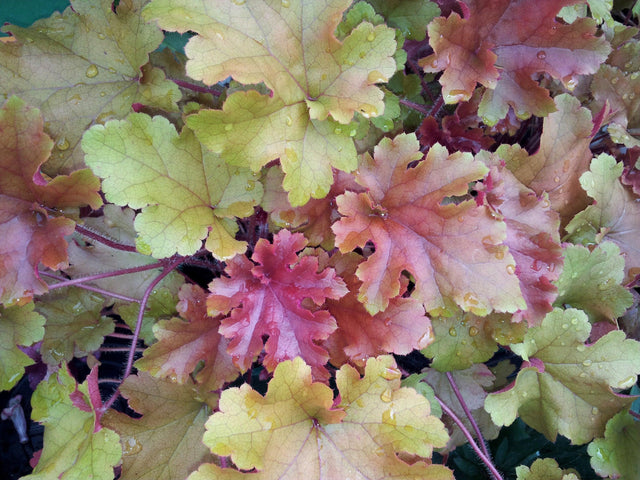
[(73, 449), (186, 194), (74, 325), (615, 455), (565, 386), (291, 47), (166, 442), (19, 325), (411, 17), (615, 214), (544, 469), (82, 67), (591, 282)]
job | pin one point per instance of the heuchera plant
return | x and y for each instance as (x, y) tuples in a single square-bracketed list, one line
[(341, 240)]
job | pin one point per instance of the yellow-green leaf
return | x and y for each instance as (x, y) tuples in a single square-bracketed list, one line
[(294, 431), (186, 194)]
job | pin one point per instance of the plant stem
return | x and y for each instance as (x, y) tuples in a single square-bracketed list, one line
[(99, 238), (98, 276), (487, 461), (168, 268), (467, 412), (101, 291), (416, 106)]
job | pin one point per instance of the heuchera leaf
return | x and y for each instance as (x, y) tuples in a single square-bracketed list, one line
[(29, 236), (454, 252), (294, 431), (290, 47), (74, 325), (73, 448), (411, 17), (532, 237), (19, 325), (544, 469), (614, 455), (142, 159), (166, 442), (562, 157), (401, 328), (565, 385), (591, 282), (183, 344), (267, 299), (615, 214), (506, 43), (82, 67)]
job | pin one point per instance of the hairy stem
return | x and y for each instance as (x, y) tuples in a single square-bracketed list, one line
[(101, 291), (90, 278), (168, 268), (416, 106), (467, 412), (486, 460), (85, 232)]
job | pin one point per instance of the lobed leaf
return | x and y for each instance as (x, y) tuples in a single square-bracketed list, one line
[(453, 251), (295, 431), (31, 237), (142, 158), (566, 385), (83, 66)]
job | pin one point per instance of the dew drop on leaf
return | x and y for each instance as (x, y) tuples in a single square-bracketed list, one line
[(101, 36), (62, 144), (511, 269), (387, 395), (391, 373), (368, 110), (131, 447), (587, 363), (541, 55), (112, 70), (239, 2), (565, 326), (288, 121), (92, 71), (473, 331), (285, 3), (614, 80), (580, 348), (389, 417), (376, 77), (627, 382), (228, 127), (453, 332), (371, 37), (594, 411), (337, 130), (250, 185)]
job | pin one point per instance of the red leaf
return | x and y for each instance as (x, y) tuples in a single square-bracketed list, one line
[(454, 251), (503, 44), (401, 328), (267, 299), (29, 235), (532, 238), (183, 344)]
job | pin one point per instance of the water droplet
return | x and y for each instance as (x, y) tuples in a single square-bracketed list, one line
[(565, 326), (285, 3), (112, 70), (101, 36), (371, 37), (368, 111), (460, 219), (62, 144), (582, 375), (473, 331), (239, 2), (92, 71), (425, 340), (453, 332), (581, 348), (556, 179), (511, 269), (389, 417), (633, 76), (337, 130), (288, 121), (219, 36), (574, 321), (250, 185), (434, 63), (391, 373), (587, 363), (594, 411), (571, 84), (387, 395), (455, 96), (376, 77), (131, 446), (102, 94), (228, 127), (541, 54), (627, 382)]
